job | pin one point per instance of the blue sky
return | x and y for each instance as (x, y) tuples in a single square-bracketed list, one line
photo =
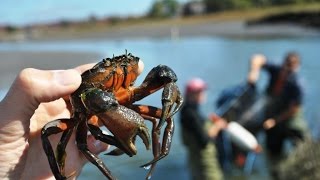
[(23, 12)]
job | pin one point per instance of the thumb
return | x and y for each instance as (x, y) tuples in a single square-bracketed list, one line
[(33, 86)]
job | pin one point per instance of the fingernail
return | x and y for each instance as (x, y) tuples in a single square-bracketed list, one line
[(66, 77)]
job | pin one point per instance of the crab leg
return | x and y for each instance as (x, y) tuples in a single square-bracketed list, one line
[(153, 114), (166, 142), (60, 125), (81, 139), (61, 147), (155, 143)]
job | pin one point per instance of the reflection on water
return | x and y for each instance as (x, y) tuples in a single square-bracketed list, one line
[(221, 62)]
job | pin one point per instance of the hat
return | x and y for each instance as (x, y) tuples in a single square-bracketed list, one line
[(196, 85)]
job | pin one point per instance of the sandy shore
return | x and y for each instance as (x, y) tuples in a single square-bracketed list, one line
[(236, 29), (13, 62), (206, 28)]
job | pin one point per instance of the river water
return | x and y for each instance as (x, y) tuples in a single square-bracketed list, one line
[(222, 62)]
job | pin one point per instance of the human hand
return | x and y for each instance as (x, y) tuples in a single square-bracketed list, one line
[(218, 121), (33, 100), (269, 123), (256, 62), (219, 124)]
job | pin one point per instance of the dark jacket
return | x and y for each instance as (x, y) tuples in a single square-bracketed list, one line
[(193, 122)]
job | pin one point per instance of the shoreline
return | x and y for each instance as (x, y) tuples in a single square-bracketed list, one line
[(171, 29), (228, 29)]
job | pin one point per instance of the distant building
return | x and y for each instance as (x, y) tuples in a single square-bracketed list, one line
[(194, 8)]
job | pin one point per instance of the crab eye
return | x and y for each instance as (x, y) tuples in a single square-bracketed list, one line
[(106, 62), (133, 61)]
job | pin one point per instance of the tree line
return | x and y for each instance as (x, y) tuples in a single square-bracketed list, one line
[(169, 8), (220, 5)]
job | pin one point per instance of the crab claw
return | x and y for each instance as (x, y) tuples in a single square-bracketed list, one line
[(142, 133), (159, 77), (170, 96), (125, 125)]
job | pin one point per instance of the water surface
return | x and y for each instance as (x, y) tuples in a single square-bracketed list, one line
[(222, 62)]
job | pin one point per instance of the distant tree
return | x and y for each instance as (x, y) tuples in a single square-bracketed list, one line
[(284, 2), (261, 3), (114, 20), (93, 18), (64, 23), (241, 4), (216, 5), (193, 8), (164, 8), (280, 2), (10, 29), (171, 7), (156, 10), (219, 5)]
